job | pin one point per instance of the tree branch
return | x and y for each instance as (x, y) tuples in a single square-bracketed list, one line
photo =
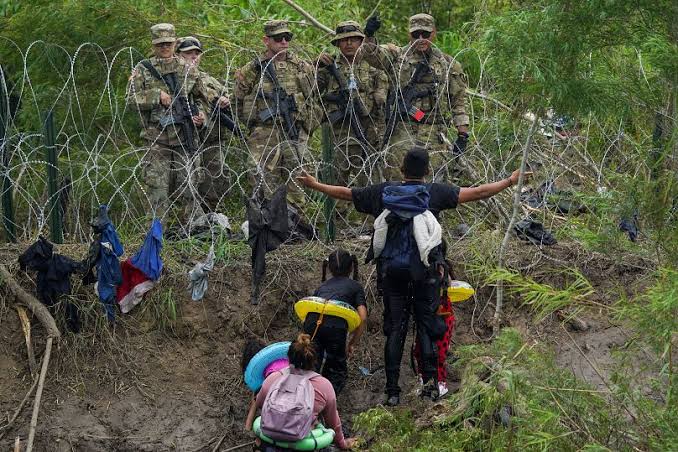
[(512, 222), (312, 19)]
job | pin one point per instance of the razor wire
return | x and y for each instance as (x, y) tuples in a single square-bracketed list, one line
[(101, 157)]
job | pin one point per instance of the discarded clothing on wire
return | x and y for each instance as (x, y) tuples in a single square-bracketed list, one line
[(198, 276), (548, 195), (148, 259), (103, 254), (140, 272), (53, 277), (534, 232), (268, 227), (630, 226)]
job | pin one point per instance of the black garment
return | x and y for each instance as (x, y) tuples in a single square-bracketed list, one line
[(54, 277), (401, 292), (330, 345), (400, 295), (268, 228), (368, 199)]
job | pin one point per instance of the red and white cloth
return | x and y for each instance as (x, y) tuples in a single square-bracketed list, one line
[(134, 285)]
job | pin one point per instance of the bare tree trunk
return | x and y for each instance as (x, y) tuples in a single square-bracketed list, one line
[(514, 216)]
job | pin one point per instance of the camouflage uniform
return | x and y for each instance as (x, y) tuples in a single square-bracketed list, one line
[(273, 155), (447, 82), (167, 168), (353, 162), (215, 141)]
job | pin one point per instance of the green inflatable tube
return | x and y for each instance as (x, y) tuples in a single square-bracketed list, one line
[(319, 438)]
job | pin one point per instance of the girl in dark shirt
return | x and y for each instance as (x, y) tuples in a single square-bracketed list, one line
[(329, 333)]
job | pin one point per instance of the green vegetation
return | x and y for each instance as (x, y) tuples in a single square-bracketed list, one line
[(513, 396)]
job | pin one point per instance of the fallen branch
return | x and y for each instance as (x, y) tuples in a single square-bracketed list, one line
[(7, 426), (514, 216), (37, 308), (38, 394), (312, 19), (240, 446), (26, 327)]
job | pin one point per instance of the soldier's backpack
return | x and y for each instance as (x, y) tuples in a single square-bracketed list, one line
[(287, 414), (400, 251)]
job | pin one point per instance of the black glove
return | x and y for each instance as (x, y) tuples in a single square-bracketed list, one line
[(373, 24), (460, 143)]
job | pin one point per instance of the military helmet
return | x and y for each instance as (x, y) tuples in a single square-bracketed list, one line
[(188, 43), (347, 29), (423, 22), (276, 27), (163, 33)]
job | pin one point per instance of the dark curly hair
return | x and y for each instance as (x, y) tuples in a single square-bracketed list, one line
[(252, 347), (302, 353)]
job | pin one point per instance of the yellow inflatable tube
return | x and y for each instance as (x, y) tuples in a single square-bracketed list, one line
[(328, 307), (459, 291)]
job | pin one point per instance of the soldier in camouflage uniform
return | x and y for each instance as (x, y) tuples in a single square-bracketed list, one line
[(355, 144), (169, 170), (215, 140), (440, 102), (274, 154)]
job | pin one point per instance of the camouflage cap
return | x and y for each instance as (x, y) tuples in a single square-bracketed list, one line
[(276, 27), (422, 22), (188, 43), (163, 33), (347, 29)]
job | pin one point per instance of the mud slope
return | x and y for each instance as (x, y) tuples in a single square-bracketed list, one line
[(154, 384)]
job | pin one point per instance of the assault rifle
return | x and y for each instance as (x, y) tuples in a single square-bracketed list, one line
[(346, 98), (181, 112), (400, 105), (282, 105), (227, 119)]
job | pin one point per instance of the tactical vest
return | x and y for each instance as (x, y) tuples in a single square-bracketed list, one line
[(371, 95), (293, 76)]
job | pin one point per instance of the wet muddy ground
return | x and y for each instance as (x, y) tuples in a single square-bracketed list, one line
[(146, 386)]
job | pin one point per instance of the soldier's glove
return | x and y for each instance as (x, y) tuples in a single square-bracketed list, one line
[(460, 143), (373, 24)]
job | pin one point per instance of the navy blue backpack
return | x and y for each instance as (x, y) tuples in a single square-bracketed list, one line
[(400, 252)]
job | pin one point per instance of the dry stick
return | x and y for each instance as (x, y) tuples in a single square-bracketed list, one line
[(43, 315), (221, 440), (240, 446), (313, 20), (37, 308), (38, 394), (26, 327), (512, 222), (7, 426)]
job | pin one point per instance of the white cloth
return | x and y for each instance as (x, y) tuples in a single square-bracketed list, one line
[(425, 227), (198, 276)]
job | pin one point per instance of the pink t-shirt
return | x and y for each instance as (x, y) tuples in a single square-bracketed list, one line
[(325, 403)]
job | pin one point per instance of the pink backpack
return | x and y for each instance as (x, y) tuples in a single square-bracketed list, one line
[(287, 414)]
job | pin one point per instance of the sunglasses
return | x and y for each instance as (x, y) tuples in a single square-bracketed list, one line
[(164, 44), (346, 29), (417, 34), (279, 38)]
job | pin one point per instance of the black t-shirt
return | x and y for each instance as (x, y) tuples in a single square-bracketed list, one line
[(368, 199), (339, 288)]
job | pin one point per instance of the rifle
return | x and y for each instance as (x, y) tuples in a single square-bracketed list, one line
[(282, 104), (181, 113), (401, 106), (348, 105), (227, 119)]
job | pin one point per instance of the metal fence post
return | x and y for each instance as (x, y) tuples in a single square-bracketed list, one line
[(6, 183), (55, 223), (329, 178)]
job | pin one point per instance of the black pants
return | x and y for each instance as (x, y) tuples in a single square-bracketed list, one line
[(401, 293), (330, 343)]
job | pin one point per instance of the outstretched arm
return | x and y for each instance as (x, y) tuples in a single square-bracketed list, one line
[(467, 194), (333, 191)]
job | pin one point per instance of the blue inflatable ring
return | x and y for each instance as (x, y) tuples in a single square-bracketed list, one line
[(254, 373)]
